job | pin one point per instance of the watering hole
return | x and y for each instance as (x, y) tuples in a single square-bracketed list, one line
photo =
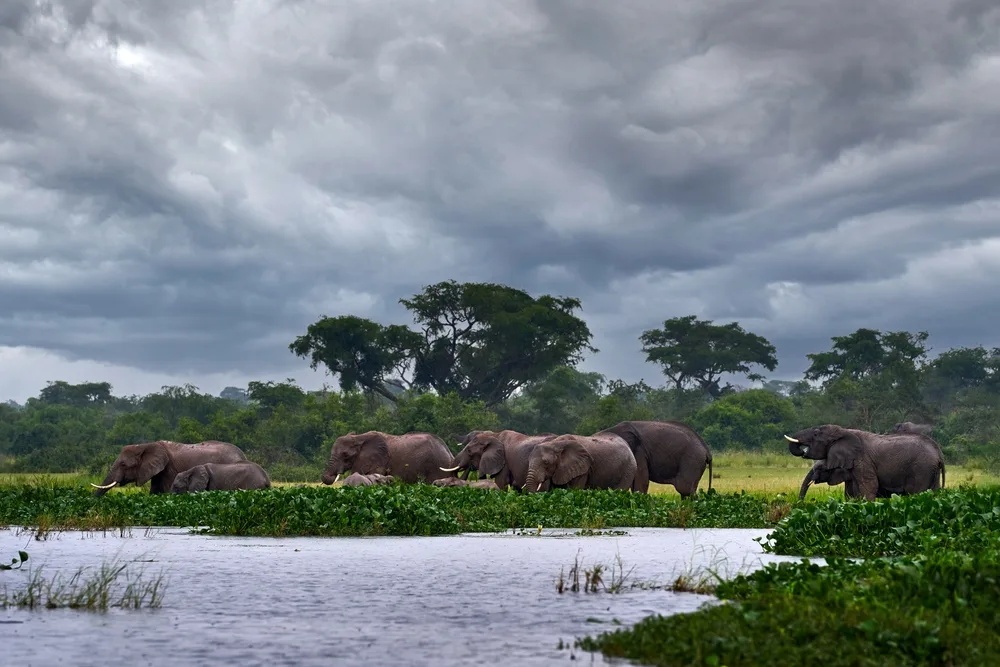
[(454, 600)]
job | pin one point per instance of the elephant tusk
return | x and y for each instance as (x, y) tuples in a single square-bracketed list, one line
[(106, 486), (539, 486), (450, 469), (336, 478), (790, 439)]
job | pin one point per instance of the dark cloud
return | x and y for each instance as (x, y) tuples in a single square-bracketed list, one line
[(185, 186)]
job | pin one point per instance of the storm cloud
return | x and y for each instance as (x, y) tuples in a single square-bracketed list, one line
[(186, 185)]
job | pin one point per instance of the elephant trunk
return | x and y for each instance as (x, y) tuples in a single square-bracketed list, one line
[(531, 482), (334, 469), (110, 481), (805, 485), (460, 463), (795, 447)]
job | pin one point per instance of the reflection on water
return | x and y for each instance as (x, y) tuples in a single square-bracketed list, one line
[(453, 600)]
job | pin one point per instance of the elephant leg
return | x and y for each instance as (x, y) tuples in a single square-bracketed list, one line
[(640, 483), (867, 487)]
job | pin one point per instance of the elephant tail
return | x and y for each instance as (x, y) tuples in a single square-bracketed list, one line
[(709, 460)]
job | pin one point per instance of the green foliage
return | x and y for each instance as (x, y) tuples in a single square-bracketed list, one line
[(926, 595), (693, 351), (360, 352), (747, 419), (871, 380), (482, 341), (958, 519), (485, 341), (400, 509)]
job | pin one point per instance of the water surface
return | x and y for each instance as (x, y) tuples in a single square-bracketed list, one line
[(454, 600)]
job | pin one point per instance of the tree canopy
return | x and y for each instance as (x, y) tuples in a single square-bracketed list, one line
[(698, 352), (483, 341)]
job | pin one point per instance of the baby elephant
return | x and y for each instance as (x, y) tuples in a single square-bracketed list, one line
[(357, 479), (221, 477), (478, 484)]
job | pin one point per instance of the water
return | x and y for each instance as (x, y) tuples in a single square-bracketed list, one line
[(455, 600)]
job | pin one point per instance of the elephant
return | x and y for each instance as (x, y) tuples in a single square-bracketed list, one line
[(880, 465), (244, 475), (910, 427), (478, 484), (449, 481), (159, 463), (411, 458), (374, 479), (819, 474), (602, 461), (666, 452), (502, 456)]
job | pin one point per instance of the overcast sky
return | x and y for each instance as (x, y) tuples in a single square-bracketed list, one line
[(186, 185)]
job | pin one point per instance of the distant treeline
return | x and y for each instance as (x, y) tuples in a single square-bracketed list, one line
[(488, 357)]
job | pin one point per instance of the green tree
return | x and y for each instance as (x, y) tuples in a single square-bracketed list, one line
[(697, 352), (81, 395), (745, 420), (482, 341), (874, 376), (963, 375), (267, 396), (361, 352), (556, 403)]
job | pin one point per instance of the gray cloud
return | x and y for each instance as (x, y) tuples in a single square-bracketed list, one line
[(185, 186)]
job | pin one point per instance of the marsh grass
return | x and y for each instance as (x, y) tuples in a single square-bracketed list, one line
[(690, 579), (111, 585)]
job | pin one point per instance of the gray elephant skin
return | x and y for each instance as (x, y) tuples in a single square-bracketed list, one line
[(666, 452), (502, 456), (245, 475), (159, 463), (602, 461), (911, 427), (374, 479), (478, 484), (820, 474), (410, 458), (901, 463)]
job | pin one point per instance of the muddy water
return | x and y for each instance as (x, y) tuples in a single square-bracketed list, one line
[(456, 600)]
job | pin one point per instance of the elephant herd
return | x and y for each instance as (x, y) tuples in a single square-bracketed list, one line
[(628, 455)]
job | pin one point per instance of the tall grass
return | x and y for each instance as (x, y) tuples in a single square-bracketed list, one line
[(108, 586)]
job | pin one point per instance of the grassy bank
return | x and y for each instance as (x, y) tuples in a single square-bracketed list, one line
[(926, 594), (381, 510)]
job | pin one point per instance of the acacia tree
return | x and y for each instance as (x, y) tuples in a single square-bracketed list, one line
[(482, 341), (875, 375), (697, 353)]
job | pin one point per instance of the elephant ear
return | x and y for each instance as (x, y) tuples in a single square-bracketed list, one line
[(198, 481), (374, 455), (844, 452), (493, 458), (574, 461), (152, 462)]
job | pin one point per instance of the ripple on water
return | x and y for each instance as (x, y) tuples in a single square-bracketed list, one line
[(453, 600)]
